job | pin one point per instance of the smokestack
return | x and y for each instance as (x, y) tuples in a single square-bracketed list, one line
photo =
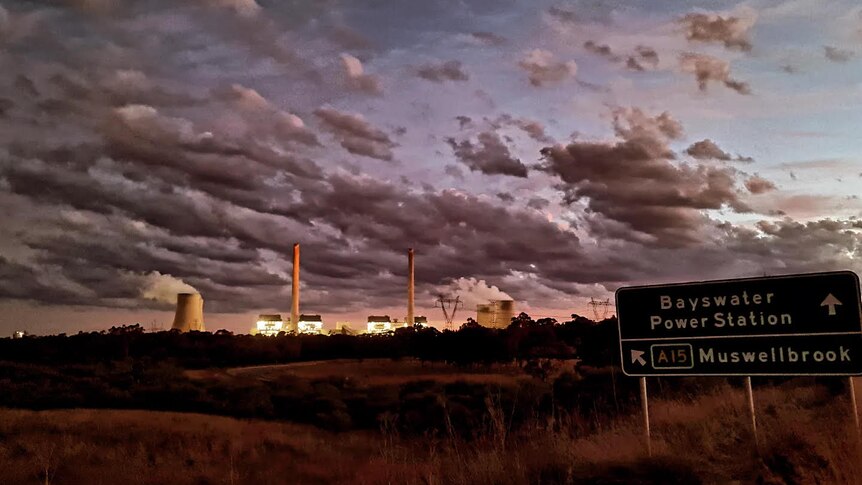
[(294, 294), (190, 313), (410, 287)]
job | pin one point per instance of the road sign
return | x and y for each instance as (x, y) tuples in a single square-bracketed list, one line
[(805, 324)]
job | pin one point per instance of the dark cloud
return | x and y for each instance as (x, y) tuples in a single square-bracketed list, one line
[(759, 185), (647, 54), (543, 69), (538, 203), (730, 31), (643, 56), (533, 128), (563, 15), (707, 68), (150, 148), (26, 85), (790, 246), (348, 38), (489, 38), (835, 54), (488, 155), (263, 118), (356, 77), (356, 134), (633, 64), (639, 60), (445, 71), (384, 215), (464, 121), (634, 182), (506, 197), (5, 105), (707, 149), (603, 50), (453, 171)]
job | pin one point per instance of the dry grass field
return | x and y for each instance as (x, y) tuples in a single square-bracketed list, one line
[(374, 371), (806, 437)]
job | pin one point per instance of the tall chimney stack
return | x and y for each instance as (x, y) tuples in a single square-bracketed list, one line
[(410, 286), (294, 303)]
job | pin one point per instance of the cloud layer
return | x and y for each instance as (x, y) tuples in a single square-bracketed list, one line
[(537, 151)]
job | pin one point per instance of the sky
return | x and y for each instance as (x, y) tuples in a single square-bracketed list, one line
[(544, 151)]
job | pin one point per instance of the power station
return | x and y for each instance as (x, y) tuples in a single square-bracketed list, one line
[(190, 312)]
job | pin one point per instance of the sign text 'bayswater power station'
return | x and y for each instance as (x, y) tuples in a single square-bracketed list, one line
[(806, 324)]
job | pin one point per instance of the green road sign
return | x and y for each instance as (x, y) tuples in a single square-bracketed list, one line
[(807, 324)]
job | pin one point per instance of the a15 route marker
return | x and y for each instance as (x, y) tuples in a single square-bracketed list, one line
[(793, 325)]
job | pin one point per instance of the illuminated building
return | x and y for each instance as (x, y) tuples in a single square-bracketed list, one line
[(421, 321), (310, 324), (379, 324), (269, 324), (19, 334)]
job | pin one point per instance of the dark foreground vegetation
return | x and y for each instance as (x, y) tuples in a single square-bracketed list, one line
[(805, 439), (128, 368), (546, 422)]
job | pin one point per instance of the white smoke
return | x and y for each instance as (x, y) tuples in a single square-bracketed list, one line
[(474, 292), (164, 287)]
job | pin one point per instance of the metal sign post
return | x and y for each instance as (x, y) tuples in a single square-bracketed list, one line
[(855, 413), (645, 405), (750, 393)]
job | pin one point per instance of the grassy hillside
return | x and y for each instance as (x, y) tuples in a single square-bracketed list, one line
[(806, 437)]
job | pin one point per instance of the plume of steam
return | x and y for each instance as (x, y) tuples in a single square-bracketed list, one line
[(164, 287), (474, 292)]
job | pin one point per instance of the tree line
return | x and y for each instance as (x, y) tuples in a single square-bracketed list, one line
[(523, 341)]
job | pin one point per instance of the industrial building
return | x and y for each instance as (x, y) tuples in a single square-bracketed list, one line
[(19, 334), (312, 324), (379, 324), (423, 321), (268, 324), (190, 313), (495, 314)]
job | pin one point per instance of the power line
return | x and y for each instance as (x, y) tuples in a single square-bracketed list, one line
[(449, 306), (600, 308)]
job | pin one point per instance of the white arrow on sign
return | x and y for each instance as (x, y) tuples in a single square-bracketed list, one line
[(638, 356), (830, 301)]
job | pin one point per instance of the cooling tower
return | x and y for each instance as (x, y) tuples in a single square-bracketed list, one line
[(294, 294), (190, 313), (484, 315), (410, 287), (505, 313)]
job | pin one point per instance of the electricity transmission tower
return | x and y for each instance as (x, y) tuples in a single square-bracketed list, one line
[(449, 306), (600, 308)]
